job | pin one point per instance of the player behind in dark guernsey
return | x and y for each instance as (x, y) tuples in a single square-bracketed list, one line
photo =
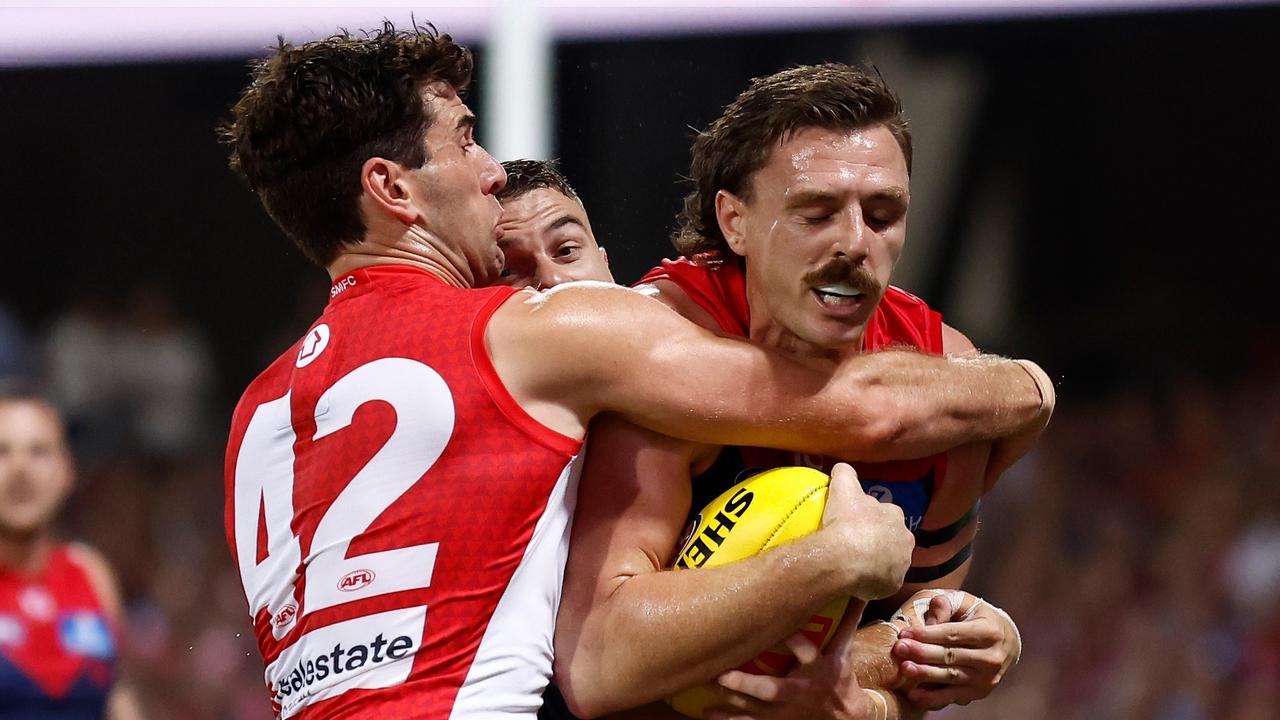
[(60, 611), (400, 482), (789, 238)]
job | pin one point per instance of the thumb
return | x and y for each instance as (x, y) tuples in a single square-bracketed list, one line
[(841, 489), (846, 634)]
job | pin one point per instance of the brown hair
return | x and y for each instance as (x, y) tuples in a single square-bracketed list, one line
[(728, 154), (524, 176), (313, 114)]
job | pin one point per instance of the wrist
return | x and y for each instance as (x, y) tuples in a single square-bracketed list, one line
[(879, 701), (1043, 386)]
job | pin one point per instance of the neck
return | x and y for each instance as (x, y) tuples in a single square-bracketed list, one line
[(414, 247), (26, 553)]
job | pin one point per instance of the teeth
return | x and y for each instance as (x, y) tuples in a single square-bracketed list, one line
[(841, 290)]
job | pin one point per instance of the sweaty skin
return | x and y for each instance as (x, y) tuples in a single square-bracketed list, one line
[(825, 225), (547, 240)]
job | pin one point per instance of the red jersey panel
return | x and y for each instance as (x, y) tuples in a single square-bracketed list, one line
[(901, 319), (400, 523), (57, 647)]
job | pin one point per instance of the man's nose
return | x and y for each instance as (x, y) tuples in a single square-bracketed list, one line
[(854, 235), (493, 177), (551, 274)]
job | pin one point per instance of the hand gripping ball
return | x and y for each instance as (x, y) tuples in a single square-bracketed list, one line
[(759, 513)]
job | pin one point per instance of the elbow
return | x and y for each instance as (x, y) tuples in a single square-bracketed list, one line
[(581, 694)]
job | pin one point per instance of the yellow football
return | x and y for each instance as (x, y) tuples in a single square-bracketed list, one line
[(761, 512)]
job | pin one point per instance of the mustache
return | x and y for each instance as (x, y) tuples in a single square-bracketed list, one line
[(845, 271)]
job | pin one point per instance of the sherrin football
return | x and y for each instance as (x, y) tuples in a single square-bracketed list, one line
[(761, 512)]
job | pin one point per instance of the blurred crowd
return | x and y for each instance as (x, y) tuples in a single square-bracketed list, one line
[(1138, 547)]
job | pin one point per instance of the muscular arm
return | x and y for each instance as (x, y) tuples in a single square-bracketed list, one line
[(611, 349), (629, 631)]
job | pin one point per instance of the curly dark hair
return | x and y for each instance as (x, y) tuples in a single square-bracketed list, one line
[(313, 114), (524, 176), (728, 154)]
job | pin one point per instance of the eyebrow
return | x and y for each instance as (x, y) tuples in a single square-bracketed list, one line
[(565, 220), (823, 197)]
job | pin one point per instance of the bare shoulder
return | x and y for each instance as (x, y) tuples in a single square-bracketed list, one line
[(100, 574), (580, 313), (558, 352), (674, 297), (955, 342)]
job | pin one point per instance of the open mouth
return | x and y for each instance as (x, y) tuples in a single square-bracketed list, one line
[(838, 295)]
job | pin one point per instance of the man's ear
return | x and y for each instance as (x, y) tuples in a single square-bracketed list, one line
[(604, 254), (731, 216), (386, 184)]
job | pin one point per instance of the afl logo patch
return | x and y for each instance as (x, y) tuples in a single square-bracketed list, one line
[(313, 344), (286, 616), (355, 580), (881, 493)]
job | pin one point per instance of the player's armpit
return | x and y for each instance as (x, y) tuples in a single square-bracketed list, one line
[(590, 349)]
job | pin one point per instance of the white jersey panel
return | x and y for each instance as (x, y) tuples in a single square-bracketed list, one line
[(513, 665)]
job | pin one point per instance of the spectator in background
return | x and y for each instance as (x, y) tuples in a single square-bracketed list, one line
[(165, 367), (140, 379), (59, 607), (83, 363)]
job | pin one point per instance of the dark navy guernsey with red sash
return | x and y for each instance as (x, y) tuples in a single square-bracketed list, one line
[(900, 320), (57, 649)]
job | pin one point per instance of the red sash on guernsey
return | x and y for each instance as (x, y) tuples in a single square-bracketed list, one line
[(901, 319), (57, 648)]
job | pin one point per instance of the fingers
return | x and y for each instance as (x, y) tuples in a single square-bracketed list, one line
[(845, 637), (941, 675), (804, 649), (936, 698), (975, 633), (987, 661), (939, 610), (843, 484), (739, 688)]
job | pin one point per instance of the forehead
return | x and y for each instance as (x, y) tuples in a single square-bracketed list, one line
[(23, 420), (820, 159), (444, 105), (543, 208)]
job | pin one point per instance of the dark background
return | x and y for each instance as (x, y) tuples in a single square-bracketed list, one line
[(1138, 546), (1149, 138)]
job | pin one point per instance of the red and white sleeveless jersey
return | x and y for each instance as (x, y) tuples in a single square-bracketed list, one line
[(400, 523)]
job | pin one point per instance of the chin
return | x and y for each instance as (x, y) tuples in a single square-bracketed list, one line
[(842, 338)]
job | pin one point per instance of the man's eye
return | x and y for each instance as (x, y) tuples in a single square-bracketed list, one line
[(567, 251), (817, 219)]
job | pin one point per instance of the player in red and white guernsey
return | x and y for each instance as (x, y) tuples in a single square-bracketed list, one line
[(400, 482), (60, 610), (792, 232)]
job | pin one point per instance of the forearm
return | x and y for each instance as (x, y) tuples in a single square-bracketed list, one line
[(622, 653), (931, 404), (877, 671)]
